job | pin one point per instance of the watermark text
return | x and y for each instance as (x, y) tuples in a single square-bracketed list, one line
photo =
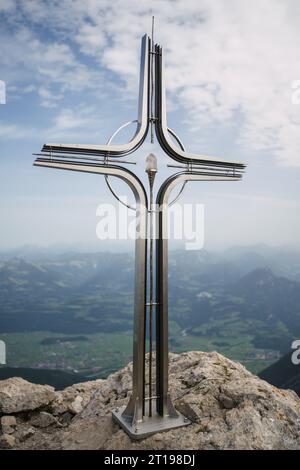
[(296, 92), (185, 223), (296, 354), (2, 352), (2, 92)]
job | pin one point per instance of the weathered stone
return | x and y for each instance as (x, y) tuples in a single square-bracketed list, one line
[(18, 395), (76, 406), (8, 421), (66, 400), (8, 424), (43, 420), (229, 408), (88, 434), (227, 402), (26, 434), (7, 441)]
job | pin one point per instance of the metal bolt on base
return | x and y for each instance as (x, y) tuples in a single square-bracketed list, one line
[(149, 425)]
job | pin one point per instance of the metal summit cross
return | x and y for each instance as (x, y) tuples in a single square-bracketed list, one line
[(146, 413)]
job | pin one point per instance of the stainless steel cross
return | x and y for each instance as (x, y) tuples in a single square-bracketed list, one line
[(137, 418)]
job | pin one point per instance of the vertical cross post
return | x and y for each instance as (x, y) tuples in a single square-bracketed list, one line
[(138, 418)]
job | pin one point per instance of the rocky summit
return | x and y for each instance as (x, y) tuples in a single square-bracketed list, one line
[(229, 407)]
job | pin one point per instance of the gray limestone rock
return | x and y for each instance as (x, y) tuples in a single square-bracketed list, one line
[(229, 408), (18, 395)]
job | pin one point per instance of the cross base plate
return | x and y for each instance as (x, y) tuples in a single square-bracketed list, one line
[(149, 425)]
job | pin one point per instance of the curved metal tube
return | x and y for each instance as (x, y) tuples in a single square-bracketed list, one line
[(134, 409), (197, 168), (178, 195), (143, 119), (184, 183), (129, 206), (113, 192), (119, 129), (164, 404), (161, 126), (176, 138)]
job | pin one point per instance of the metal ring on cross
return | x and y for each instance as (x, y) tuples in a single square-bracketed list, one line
[(106, 176), (183, 149), (129, 206)]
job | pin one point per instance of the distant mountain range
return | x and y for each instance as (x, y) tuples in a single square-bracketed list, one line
[(56, 378), (244, 303), (283, 374)]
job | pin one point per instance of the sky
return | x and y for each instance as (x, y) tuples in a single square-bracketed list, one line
[(233, 91)]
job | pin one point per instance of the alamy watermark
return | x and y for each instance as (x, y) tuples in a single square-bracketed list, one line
[(185, 222), (2, 92), (296, 354), (2, 352), (296, 92)]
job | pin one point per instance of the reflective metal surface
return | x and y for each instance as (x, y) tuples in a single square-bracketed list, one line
[(139, 418), (164, 404), (142, 121), (150, 424), (135, 406), (161, 125), (114, 193)]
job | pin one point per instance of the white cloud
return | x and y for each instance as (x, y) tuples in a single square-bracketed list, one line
[(49, 99), (7, 6), (28, 61), (90, 39), (228, 62), (13, 131), (29, 89), (82, 123), (74, 124)]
